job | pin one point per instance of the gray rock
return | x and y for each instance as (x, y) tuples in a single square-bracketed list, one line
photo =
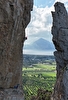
[(15, 15), (60, 40)]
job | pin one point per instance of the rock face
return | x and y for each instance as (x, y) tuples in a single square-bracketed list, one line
[(11, 94), (60, 40), (14, 18)]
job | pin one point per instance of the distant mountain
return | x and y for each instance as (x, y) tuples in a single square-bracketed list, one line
[(40, 44)]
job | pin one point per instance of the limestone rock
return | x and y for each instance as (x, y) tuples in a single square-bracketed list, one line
[(14, 18), (60, 40)]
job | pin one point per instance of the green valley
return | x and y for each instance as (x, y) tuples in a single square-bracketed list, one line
[(39, 76)]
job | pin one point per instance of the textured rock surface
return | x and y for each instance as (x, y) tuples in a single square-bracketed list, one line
[(60, 40), (14, 18), (11, 94)]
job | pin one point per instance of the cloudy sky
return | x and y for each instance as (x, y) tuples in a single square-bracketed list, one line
[(41, 20)]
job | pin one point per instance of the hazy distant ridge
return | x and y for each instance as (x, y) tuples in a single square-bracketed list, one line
[(40, 44)]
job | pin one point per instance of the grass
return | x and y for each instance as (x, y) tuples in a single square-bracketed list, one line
[(38, 76), (40, 67)]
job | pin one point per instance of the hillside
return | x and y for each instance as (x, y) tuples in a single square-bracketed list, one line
[(40, 44)]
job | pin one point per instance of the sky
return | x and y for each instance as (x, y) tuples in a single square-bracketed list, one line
[(41, 20)]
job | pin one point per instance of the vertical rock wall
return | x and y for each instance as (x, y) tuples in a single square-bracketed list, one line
[(14, 18), (60, 40)]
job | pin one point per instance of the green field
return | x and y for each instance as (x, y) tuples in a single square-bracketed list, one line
[(38, 76)]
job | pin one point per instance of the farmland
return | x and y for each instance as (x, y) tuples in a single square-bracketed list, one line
[(38, 76)]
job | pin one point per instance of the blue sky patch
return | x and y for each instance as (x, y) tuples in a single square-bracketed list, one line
[(43, 3)]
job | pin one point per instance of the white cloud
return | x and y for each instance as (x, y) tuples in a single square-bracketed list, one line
[(40, 25), (41, 22)]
